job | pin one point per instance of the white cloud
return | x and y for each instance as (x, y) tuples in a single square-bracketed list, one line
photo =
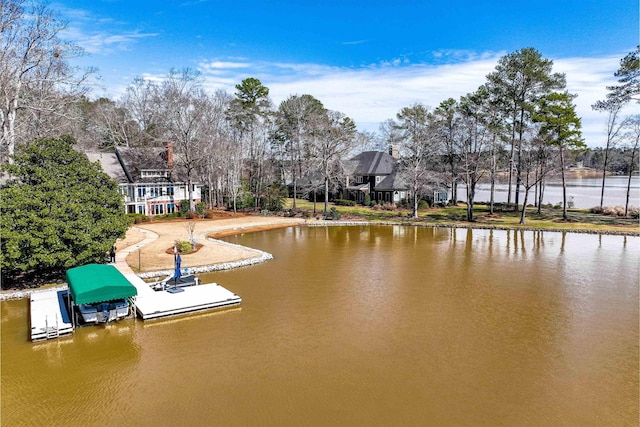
[(373, 94)]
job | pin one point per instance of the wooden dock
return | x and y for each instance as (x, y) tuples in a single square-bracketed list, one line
[(152, 304), (49, 315)]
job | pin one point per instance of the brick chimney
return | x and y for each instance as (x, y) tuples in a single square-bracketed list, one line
[(393, 151), (170, 155)]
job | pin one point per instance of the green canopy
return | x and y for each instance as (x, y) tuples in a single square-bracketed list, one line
[(93, 283)]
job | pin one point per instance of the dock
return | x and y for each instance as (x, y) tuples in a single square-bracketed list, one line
[(49, 315), (152, 304)]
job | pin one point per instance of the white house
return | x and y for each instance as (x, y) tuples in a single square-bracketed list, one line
[(148, 179)]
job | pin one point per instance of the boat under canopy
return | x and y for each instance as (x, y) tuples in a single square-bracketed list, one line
[(94, 283)]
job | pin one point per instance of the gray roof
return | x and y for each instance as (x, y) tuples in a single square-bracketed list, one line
[(109, 163), (392, 181), (373, 163)]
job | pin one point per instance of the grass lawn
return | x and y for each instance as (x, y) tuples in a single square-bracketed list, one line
[(578, 219)]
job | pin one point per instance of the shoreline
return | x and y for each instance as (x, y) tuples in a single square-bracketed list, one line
[(237, 254)]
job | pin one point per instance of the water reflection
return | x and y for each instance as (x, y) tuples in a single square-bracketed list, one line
[(363, 325)]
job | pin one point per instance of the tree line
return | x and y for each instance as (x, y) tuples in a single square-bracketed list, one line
[(520, 124)]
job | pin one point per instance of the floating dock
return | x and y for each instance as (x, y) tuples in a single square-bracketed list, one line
[(49, 315), (150, 304)]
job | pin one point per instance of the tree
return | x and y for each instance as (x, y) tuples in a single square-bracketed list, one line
[(612, 107), (35, 75), (560, 126), (332, 139), (633, 137), (418, 145), (447, 122), (250, 112), (629, 78), (58, 210), (295, 119), (538, 161), (476, 152), (520, 79), (183, 104), (618, 96)]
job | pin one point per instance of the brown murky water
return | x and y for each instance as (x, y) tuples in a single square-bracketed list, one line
[(362, 326)]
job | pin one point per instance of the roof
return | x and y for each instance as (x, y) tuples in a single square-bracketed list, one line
[(373, 163), (109, 163), (392, 182), (93, 283), (134, 160)]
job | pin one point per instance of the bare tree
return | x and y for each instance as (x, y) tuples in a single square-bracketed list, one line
[(476, 148), (36, 80), (183, 103), (419, 145), (633, 137), (215, 152), (332, 138), (612, 108)]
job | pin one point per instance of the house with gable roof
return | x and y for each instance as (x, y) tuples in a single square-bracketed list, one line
[(376, 173), (147, 178)]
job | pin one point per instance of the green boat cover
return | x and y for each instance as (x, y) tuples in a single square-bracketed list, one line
[(93, 283)]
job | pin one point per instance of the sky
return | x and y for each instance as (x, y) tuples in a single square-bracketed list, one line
[(365, 58)]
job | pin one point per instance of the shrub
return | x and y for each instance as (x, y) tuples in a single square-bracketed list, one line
[(183, 246), (136, 218), (596, 210), (422, 204), (200, 209), (367, 200), (345, 202), (333, 214), (184, 207)]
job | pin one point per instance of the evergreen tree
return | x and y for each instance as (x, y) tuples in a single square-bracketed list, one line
[(58, 210)]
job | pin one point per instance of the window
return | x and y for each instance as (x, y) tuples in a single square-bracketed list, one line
[(378, 179), (155, 191), (171, 208), (157, 209), (359, 179), (379, 196), (141, 209), (170, 190), (142, 191), (153, 173), (387, 197)]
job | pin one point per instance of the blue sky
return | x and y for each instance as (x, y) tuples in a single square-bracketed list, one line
[(367, 59)]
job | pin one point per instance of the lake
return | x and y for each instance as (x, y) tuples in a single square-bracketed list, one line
[(361, 325), (584, 192)]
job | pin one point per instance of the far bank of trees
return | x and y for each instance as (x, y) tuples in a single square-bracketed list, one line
[(520, 123)]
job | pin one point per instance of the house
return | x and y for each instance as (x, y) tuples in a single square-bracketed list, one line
[(375, 173), (148, 178)]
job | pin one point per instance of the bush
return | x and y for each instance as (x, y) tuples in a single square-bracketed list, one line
[(200, 209), (184, 208), (135, 218), (333, 214), (422, 204), (183, 246), (345, 202)]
